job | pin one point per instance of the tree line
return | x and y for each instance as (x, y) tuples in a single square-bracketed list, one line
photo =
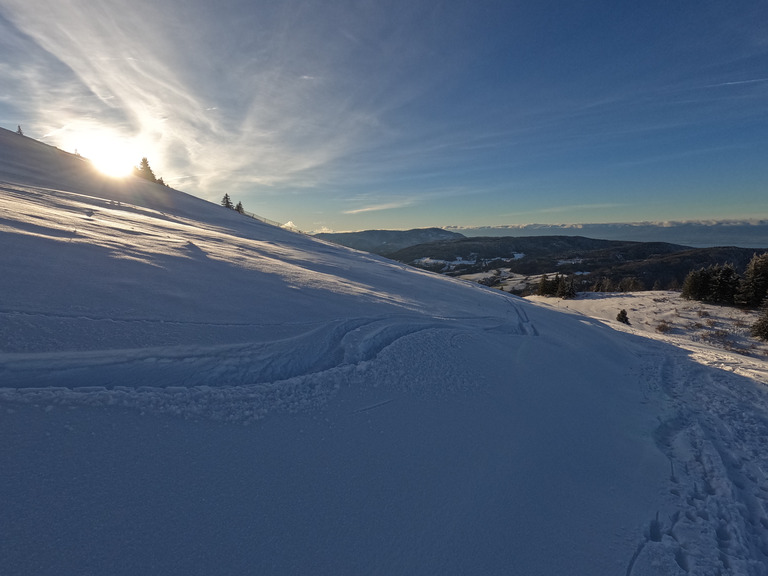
[(143, 170), (717, 284), (560, 286), (721, 284), (226, 201)]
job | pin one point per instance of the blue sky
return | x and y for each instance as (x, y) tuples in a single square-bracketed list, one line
[(348, 115)]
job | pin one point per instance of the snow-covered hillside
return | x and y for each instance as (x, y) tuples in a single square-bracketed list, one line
[(185, 390), (717, 336)]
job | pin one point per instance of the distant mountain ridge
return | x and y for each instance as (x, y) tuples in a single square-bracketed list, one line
[(533, 247), (386, 242), (698, 234), (648, 264)]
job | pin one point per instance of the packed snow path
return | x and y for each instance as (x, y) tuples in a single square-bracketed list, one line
[(713, 428), (715, 438), (188, 391)]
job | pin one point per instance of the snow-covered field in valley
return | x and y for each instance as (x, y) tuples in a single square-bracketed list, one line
[(185, 390)]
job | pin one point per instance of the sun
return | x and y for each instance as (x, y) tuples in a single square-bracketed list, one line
[(112, 160), (110, 155), (114, 166)]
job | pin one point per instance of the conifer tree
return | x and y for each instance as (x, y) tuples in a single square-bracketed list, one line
[(18, 130), (754, 286), (227, 202), (724, 283), (760, 328), (240, 208), (566, 288), (544, 286), (144, 171), (716, 284), (695, 285)]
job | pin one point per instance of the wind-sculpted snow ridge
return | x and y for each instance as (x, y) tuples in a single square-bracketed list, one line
[(236, 382)]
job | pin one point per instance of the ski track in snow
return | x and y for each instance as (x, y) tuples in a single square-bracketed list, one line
[(69, 350), (232, 382)]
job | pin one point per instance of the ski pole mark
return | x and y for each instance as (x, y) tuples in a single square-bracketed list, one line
[(373, 406)]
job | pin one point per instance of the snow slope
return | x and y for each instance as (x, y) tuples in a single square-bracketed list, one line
[(185, 390), (716, 336)]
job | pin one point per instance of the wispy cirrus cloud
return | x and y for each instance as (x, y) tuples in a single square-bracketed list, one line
[(581, 207), (296, 107), (225, 96), (380, 207), (737, 82)]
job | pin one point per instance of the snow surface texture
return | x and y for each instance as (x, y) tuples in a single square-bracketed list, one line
[(185, 390)]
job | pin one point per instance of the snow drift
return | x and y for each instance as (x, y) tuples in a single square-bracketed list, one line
[(186, 390)]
